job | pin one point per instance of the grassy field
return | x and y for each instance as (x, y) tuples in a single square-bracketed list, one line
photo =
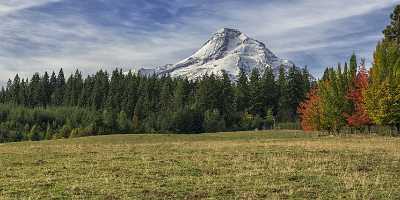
[(246, 165)]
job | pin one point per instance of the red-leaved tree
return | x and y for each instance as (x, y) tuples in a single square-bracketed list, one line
[(309, 111), (360, 116)]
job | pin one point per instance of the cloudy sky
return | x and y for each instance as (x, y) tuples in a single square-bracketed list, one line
[(39, 35)]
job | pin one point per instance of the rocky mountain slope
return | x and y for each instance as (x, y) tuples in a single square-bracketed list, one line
[(229, 50)]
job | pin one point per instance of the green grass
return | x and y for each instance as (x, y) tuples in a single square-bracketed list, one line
[(246, 165)]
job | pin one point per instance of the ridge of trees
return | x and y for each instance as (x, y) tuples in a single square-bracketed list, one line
[(52, 106)]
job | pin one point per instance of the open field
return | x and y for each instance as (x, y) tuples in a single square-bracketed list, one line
[(247, 165)]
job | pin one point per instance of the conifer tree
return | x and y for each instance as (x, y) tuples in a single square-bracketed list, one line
[(180, 94), (295, 91), (392, 31), (86, 94), (35, 90), (130, 95), (15, 90), (53, 83), (59, 91), (352, 70), (283, 109), (226, 97), (76, 88), (242, 92), (115, 91), (23, 94), (100, 90), (44, 90), (270, 91), (166, 96), (256, 94)]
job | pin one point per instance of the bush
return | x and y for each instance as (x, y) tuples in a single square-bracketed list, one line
[(269, 121), (123, 123), (82, 132), (188, 121), (34, 134), (258, 123), (213, 122), (64, 132), (246, 122)]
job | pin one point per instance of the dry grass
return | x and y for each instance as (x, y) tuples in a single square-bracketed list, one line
[(247, 165)]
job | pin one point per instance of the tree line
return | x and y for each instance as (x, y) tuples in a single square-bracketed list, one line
[(52, 106), (355, 97)]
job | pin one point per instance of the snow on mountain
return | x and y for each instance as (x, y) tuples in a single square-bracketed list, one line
[(229, 50)]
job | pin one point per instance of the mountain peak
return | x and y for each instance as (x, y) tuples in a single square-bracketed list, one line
[(227, 50), (228, 30)]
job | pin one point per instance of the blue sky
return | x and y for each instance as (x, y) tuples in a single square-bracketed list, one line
[(38, 35)]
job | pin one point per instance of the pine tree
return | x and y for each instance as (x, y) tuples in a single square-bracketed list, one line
[(76, 89), (392, 31), (269, 91), (53, 83), (3, 95), (115, 91), (130, 95), (242, 92), (15, 90), (59, 92), (295, 91), (45, 90), (226, 98), (166, 96), (139, 113), (283, 109), (352, 70), (180, 94), (23, 93), (35, 90), (98, 97), (256, 94)]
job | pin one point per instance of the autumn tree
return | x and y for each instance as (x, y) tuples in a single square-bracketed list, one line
[(359, 117), (383, 94), (309, 111)]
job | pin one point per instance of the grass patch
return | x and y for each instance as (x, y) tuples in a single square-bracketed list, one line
[(245, 165)]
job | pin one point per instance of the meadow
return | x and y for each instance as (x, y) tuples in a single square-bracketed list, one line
[(242, 165)]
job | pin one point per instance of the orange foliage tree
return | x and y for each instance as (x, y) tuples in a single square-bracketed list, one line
[(359, 117), (309, 111)]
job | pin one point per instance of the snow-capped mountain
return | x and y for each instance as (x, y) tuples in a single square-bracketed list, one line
[(229, 50)]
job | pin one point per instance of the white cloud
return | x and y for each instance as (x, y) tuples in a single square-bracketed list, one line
[(10, 6), (33, 41), (281, 17)]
